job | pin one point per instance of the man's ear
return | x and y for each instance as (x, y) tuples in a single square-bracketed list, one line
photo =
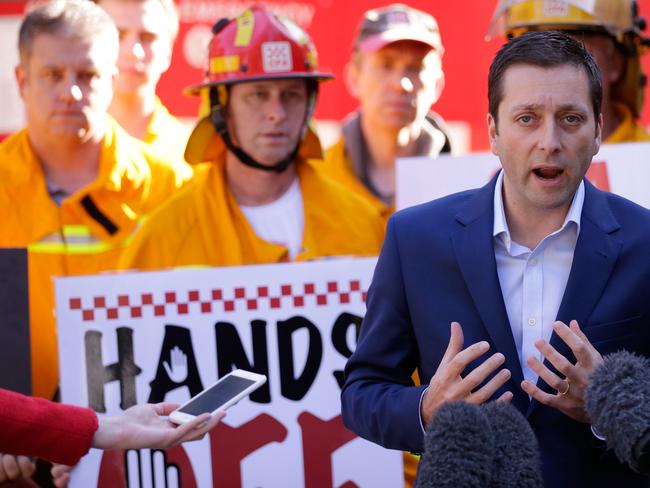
[(21, 79), (440, 84), (493, 134), (617, 67), (351, 78), (599, 134), (435, 71)]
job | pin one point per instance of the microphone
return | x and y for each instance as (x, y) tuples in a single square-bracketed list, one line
[(618, 401), (458, 449), (517, 461)]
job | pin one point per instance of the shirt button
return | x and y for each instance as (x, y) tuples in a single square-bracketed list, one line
[(533, 262), (532, 321)]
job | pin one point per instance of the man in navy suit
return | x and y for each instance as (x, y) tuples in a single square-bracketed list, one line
[(475, 289)]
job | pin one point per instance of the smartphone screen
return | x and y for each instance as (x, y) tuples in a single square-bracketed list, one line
[(217, 395)]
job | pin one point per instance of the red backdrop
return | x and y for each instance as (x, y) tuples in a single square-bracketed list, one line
[(332, 23)]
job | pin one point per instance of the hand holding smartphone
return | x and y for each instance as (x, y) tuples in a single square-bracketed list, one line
[(221, 395)]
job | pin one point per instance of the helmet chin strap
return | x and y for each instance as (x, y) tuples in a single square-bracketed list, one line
[(218, 119)]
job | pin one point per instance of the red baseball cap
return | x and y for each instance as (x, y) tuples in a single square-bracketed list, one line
[(396, 22)]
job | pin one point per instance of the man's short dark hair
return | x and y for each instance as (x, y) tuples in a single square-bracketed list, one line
[(545, 49), (78, 19)]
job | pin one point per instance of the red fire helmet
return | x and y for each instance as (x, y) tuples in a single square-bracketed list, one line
[(258, 45)]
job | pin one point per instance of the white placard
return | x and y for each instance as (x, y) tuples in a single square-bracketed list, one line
[(623, 169), (295, 322), (13, 115)]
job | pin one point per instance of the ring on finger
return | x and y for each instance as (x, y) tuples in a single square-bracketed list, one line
[(566, 390)]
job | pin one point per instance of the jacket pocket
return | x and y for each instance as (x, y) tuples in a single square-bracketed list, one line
[(619, 330)]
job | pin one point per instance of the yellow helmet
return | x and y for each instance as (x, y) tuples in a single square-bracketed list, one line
[(618, 19)]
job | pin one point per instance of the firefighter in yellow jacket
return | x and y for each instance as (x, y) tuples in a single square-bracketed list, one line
[(260, 200), (611, 31), (73, 184)]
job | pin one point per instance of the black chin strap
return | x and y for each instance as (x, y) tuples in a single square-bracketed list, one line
[(218, 120)]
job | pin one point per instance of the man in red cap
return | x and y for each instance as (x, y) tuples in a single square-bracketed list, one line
[(396, 74)]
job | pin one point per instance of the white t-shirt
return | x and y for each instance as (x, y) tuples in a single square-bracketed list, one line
[(280, 222)]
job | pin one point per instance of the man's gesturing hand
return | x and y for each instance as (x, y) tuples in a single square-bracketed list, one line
[(569, 398), (447, 385)]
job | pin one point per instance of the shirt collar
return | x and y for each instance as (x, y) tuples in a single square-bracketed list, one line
[(500, 228)]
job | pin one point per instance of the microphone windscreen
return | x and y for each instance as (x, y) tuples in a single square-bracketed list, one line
[(517, 461), (617, 400), (457, 449)]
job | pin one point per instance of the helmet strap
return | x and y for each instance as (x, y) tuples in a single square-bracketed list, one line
[(218, 119)]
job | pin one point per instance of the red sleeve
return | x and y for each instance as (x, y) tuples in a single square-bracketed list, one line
[(36, 427)]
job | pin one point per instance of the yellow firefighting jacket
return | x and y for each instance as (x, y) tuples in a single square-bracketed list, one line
[(165, 133), (203, 224), (85, 234), (338, 166)]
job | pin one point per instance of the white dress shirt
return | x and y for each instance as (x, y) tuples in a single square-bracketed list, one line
[(533, 281)]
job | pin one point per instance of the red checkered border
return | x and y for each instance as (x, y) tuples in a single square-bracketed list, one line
[(126, 306)]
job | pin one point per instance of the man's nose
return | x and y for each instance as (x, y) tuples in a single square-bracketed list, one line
[(407, 84), (132, 46), (276, 109), (549, 138), (402, 81), (71, 91)]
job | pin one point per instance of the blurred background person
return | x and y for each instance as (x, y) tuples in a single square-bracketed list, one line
[(147, 30), (611, 31), (395, 72)]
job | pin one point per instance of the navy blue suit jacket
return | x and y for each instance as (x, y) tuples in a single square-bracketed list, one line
[(437, 265)]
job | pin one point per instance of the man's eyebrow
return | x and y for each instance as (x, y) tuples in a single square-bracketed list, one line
[(567, 107), (523, 107)]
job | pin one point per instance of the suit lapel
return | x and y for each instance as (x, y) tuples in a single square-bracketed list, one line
[(474, 248), (593, 262)]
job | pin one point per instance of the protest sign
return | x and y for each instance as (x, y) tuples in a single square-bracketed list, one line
[(119, 337)]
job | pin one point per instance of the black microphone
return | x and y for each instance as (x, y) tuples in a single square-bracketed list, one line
[(517, 461), (458, 449), (618, 401)]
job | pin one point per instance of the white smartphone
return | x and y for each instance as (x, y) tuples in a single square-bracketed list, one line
[(223, 394)]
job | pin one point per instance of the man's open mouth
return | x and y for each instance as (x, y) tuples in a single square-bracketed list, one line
[(548, 173)]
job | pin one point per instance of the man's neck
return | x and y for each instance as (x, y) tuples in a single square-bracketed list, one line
[(253, 187), (68, 166), (385, 145), (529, 227), (133, 112)]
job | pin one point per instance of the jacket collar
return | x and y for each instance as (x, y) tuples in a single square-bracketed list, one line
[(109, 206)]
